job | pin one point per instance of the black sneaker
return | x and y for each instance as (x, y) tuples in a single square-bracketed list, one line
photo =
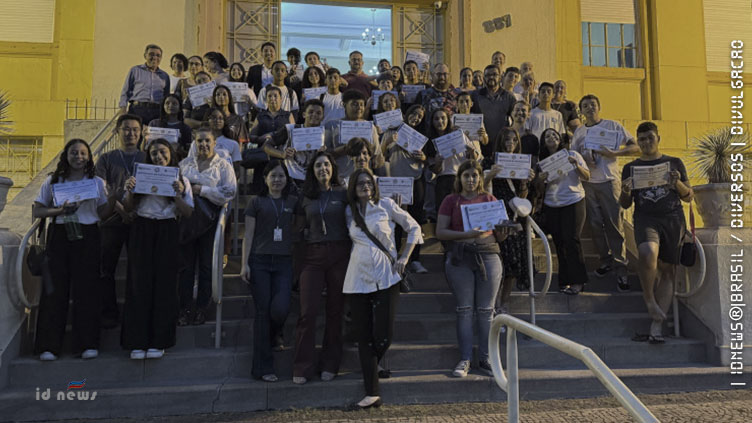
[(200, 317), (603, 270), (622, 284), (485, 367), (185, 317)]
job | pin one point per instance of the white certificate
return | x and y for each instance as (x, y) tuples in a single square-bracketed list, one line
[(306, 139), (201, 94), (483, 215), (375, 94), (557, 165), (650, 176), (239, 91), (311, 93), (170, 134), (421, 59), (349, 129), (389, 186), (410, 139), (156, 180), (74, 191), (513, 166), (386, 120), (411, 92), (597, 137), (471, 124), (451, 144)]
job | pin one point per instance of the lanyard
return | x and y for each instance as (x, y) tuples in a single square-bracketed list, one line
[(276, 211), (322, 210), (128, 169)]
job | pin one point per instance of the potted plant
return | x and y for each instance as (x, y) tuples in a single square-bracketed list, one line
[(711, 158)]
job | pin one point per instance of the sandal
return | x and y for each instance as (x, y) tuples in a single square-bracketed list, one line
[(571, 290), (656, 339), (641, 337)]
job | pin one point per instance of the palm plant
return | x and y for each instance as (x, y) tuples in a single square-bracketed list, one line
[(711, 154), (6, 125)]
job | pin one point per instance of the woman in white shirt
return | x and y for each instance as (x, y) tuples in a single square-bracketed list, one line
[(73, 256), (151, 302), (564, 208), (373, 275), (213, 185)]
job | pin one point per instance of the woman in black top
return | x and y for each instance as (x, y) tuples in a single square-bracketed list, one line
[(195, 116), (235, 128), (320, 214), (171, 116)]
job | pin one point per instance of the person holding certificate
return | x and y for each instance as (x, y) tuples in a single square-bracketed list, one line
[(564, 208), (373, 273), (360, 152), (320, 217), (151, 302), (270, 119), (659, 225), (171, 117), (248, 103), (288, 98), (213, 185), (72, 253), (195, 65), (313, 77), (234, 128), (472, 265), (195, 115)]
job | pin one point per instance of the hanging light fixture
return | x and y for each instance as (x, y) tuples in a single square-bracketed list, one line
[(373, 35)]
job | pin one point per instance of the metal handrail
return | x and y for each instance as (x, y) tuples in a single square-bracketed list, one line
[(511, 384), (20, 261), (531, 225), (218, 273), (102, 141), (690, 292)]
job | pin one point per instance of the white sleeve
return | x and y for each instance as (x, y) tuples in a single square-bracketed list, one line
[(45, 193), (225, 190), (236, 157), (261, 104), (102, 188), (188, 196), (295, 104)]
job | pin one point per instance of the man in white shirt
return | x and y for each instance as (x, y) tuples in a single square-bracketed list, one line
[(289, 97), (602, 191), (543, 116), (332, 99)]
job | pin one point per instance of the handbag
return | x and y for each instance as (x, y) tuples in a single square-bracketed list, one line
[(36, 259), (203, 218), (254, 157), (406, 284), (689, 249)]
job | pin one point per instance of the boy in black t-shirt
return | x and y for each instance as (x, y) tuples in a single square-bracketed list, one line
[(658, 225)]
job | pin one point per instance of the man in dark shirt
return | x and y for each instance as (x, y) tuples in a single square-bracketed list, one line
[(356, 78), (658, 225), (495, 104), (259, 76), (440, 94), (145, 86), (115, 167)]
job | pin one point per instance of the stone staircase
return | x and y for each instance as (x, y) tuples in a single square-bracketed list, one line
[(193, 377)]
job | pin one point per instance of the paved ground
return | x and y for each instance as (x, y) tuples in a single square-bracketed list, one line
[(713, 406)]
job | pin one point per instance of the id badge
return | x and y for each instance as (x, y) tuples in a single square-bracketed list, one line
[(277, 234)]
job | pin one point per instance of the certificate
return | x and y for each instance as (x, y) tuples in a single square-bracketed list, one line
[(483, 215), (375, 94), (386, 120), (75, 191), (469, 123), (410, 139), (311, 93), (451, 144), (306, 139), (597, 138), (421, 59), (650, 176), (411, 92), (170, 134), (239, 91), (349, 129), (389, 186), (201, 94), (513, 166), (557, 165), (155, 180)]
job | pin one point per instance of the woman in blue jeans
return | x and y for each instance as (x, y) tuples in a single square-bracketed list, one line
[(267, 250), (472, 265)]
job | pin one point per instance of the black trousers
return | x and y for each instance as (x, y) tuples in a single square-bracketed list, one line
[(74, 269), (199, 250), (373, 323), (565, 226), (417, 212), (151, 297), (147, 113), (113, 238), (444, 187)]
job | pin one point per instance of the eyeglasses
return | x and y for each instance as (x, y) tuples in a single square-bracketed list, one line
[(363, 184)]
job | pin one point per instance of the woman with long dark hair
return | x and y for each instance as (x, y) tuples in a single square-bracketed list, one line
[(320, 214), (267, 263), (216, 63), (171, 116), (73, 254), (195, 65), (194, 116), (244, 107), (151, 298), (313, 77), (235, 128)]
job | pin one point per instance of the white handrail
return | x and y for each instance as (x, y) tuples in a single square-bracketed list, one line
[(218, 273), (511, 385), (100, 147), (530, 226), (20, 261), (690, 292)]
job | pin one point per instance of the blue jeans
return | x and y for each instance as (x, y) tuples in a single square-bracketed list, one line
[(474, 294), (271, 285)]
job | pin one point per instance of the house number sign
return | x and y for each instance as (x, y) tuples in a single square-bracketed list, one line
[(498, 23)]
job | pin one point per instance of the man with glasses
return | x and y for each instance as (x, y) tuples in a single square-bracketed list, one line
[(115, 167), (145, 86), (357, 79), (440, 94), (495, 103)]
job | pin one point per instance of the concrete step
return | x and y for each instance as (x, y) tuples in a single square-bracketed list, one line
[(189, 366), (228, 394)]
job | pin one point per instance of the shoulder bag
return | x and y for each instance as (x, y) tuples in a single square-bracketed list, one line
[(689, 248)]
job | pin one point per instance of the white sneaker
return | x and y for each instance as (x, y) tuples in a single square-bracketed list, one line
[(138, 354), (417, 267), (461, 369), (47, 356), (327, 376), (154, 353), (87, 354)]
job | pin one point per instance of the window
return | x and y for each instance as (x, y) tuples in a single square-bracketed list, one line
[(609, 44), (28, 21), (20, 160)]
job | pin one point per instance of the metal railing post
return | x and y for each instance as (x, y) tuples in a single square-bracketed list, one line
[(530, 267), (513, 382)]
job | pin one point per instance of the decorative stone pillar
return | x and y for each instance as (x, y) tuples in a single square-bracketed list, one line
[(11, 315)]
